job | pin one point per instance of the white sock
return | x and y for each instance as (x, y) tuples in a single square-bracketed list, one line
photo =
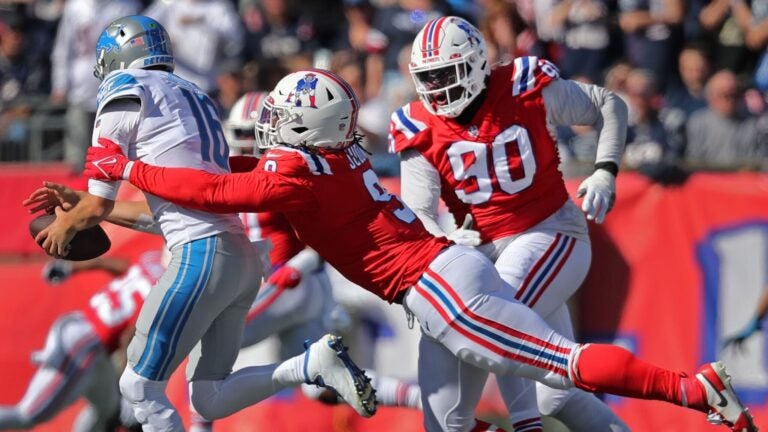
[(290, 372), (394, 392), (245, 387)]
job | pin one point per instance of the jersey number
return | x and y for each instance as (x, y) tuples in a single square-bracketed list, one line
[(212, 142), (117, 304), (511, 158), (380, 194)]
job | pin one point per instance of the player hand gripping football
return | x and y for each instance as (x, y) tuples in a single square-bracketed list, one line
[(466, 235), (599, 192), (107, 162)]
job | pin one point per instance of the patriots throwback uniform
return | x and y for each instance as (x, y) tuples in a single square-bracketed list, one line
[(502, 168), (75, 361), (470, 321)]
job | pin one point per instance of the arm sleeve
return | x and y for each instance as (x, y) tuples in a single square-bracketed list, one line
[(118, 122), (572, 103), (255, 191), (420, 189)]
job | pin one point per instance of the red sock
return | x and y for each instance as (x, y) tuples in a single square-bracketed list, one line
[(611, 369), (481, 426)]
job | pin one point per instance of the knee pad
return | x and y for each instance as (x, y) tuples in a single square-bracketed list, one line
[(147, 398)]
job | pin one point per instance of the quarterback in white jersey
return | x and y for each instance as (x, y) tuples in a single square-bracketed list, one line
[(199, 305)]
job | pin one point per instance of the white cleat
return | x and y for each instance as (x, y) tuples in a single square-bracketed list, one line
[(725, 407), (327, 364)]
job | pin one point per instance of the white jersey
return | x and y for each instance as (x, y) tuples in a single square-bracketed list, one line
[(175, 126)]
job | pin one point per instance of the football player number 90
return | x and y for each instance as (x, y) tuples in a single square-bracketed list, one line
[(379, 193), (511, 158)]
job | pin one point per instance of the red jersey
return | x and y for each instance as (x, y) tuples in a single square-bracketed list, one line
[(274, 227), (112, 309), (503, 165), (334, 202)]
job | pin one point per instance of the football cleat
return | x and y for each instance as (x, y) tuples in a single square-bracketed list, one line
[(724, 405), (327, 364)]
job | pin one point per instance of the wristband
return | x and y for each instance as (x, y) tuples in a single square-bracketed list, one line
[(611, 167)]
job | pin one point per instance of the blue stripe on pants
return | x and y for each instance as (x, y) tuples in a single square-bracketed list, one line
[(174, 309)]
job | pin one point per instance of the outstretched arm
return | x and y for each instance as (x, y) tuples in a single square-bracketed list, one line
[(254, 191)]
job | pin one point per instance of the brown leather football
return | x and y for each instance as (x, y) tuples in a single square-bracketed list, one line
[(87, 244)]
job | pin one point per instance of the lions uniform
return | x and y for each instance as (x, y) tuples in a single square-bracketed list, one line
[(75, 361), (495, 159), (471, 324)]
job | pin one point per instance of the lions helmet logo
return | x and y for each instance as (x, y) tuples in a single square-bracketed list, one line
[(305, 88)]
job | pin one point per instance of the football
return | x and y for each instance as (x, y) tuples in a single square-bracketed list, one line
[(86, 244)]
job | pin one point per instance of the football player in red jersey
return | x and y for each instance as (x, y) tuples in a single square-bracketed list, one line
[(479, 138), (76, 360), (317, 175)]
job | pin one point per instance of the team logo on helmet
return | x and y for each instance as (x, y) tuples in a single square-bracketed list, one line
[(305, 88), (472, 36)]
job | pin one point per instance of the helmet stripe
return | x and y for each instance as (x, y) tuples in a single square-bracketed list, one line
[(436, 38), (428, 37), (424, 39), (350, 94)]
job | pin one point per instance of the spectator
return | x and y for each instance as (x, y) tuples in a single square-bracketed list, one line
[(646, 136), (616, 78), (684, 97), (754, 23), (401, 21), (722, 135), (366, 44), (586, 36), (23, 76), (274, 31), (725, 20), (653, 32), (205, 33), (688, 93), (229, 86), (506, 34), (72, 61)]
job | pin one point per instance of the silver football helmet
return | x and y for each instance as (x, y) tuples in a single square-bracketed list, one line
[(135, 42)]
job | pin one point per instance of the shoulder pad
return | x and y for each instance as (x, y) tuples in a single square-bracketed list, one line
[(532, 73), (406, 127), (119, 85), (293, 162)]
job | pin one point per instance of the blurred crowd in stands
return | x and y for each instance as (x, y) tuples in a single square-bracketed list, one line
[(694, 73)]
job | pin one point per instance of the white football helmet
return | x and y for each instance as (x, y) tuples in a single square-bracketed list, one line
[(240, 127), (312, 108), (449, 65)]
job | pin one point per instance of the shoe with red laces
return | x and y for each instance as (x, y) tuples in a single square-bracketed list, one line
[(724, 405)]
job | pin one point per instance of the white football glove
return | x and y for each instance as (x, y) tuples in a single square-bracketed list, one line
[(466, 235), (599, 192)]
